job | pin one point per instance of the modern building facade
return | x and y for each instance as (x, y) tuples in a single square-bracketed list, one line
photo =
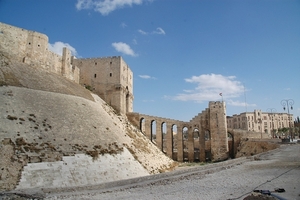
[(259, 121)]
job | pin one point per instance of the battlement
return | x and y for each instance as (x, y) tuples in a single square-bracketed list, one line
[(110, 77), (31, 47), (96, 58)]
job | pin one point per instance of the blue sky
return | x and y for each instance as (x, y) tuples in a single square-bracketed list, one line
[(183, 53)]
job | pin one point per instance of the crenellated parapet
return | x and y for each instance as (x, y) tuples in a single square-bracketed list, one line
[(31, 47)]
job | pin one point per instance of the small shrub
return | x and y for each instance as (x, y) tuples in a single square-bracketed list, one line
[(89, 87)]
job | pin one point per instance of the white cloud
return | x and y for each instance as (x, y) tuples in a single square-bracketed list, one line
[(84, 4), (57, 48), (159, 31), (123, 48), (209, 87), (106, 6), (142, 32), (146, 77), (123, 25)]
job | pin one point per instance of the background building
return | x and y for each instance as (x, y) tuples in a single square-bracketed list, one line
[(259, 121)]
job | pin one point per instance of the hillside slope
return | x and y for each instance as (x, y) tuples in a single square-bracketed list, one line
[(46, 120)]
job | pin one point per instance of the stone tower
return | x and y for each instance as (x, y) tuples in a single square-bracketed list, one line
[(110, 78), (218, 131)]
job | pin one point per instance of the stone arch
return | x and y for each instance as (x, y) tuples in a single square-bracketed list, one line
[(143, 125), (164, 136), (235, 141), (185, 135), (231, 145), (207, 137), (196, 137), (174, 133), (153, 131)]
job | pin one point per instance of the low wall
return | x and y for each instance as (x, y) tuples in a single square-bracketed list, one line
[(81, 170)]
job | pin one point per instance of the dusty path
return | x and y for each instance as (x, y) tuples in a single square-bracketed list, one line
[(276, 169)]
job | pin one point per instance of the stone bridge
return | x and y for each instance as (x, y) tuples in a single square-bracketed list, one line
[(202, 138)]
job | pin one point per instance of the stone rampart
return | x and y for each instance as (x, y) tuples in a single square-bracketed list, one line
[(31, 47), (109, 77)]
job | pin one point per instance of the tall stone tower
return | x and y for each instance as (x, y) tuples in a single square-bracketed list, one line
[(218, 131), (110, 78)]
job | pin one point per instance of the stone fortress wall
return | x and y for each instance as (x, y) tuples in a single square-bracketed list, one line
[(31, 47), (110, 78)]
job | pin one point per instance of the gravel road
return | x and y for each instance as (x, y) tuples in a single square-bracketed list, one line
[(279, 168)]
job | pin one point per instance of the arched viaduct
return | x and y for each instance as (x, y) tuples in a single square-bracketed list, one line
[(204, 137)]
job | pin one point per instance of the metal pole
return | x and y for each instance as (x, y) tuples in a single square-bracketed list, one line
[(287, 103)]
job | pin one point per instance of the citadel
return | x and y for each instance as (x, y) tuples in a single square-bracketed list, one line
[(205, 137)]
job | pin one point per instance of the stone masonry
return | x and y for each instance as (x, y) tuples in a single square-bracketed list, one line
[(112, 79), (206, 131)]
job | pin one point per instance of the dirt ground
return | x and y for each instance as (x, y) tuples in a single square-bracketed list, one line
[(250, 147)]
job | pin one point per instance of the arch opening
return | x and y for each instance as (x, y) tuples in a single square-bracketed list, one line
[(142, 125), (174, 141), (231, 145), (196, 136), (153, 131), (185, 136), (207, 137), (164, 136)]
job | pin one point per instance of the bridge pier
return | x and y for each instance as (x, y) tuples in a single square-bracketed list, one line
[(159, 136), (202, 145), (190, 145), (148, 129), (179, 144), (169, 141)]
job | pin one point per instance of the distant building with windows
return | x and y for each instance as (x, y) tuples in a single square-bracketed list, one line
[(259, 121)]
